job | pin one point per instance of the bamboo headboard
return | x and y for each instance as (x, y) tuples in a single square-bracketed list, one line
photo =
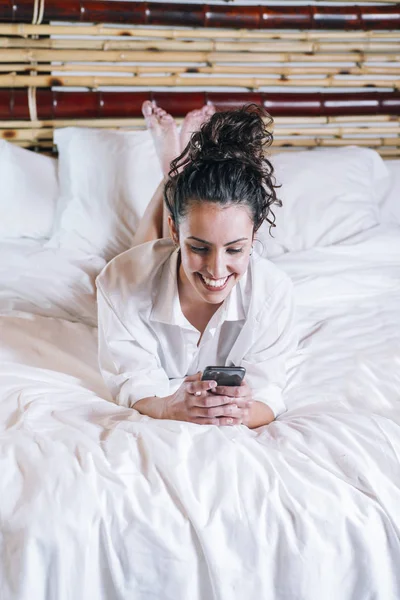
[(329, 75)]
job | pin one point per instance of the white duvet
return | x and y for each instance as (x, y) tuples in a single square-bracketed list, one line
[(97, 502)]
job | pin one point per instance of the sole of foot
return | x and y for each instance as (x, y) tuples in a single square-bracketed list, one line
[(192, 123), (164, 131)]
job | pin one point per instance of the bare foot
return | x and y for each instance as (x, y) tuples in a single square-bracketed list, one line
[(193, 121), (164, 132)]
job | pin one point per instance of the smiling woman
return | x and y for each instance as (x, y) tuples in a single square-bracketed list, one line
[(169, 307)]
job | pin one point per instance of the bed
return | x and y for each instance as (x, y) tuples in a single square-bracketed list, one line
[(99, 502)]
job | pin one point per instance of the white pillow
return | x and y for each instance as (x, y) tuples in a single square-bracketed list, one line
[(107, 179), (390, 207), (327, 196), (28, 192)]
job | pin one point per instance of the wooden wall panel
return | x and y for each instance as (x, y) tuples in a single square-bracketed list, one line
[(329, 75)]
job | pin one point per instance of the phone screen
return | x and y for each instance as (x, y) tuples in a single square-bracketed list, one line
[(230, 376)]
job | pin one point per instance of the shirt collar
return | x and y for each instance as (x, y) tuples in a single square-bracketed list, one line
[(167, 306)]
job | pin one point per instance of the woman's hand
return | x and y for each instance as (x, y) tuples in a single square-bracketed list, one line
[(241, 395), (257, 413), (204, 403)]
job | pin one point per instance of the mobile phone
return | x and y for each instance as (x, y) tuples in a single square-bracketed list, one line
[(224, 375)]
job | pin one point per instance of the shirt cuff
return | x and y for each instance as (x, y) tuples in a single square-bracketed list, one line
[(131, 392), (272, 396)]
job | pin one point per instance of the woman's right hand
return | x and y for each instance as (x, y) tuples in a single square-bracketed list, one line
[(192, 402)]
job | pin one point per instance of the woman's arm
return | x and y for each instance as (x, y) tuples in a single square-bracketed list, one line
[(128, 358), (260, 414), (153, 406)]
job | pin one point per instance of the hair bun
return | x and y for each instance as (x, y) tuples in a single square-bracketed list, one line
[(232, 135)]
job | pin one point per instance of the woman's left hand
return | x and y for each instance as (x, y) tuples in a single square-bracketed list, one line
[(243, 396)]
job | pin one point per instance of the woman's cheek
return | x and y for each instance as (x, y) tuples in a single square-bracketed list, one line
[(194, 263), (241, 264)]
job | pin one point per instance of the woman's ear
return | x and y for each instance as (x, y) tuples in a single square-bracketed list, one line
[(173, 231)]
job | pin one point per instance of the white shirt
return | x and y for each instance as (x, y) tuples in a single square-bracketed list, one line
[(147, 346)]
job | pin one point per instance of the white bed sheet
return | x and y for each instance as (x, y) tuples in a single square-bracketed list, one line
[(47, 281), (97, 502)]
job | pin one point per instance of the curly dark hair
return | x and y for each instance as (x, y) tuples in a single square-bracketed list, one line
[(224, 162)]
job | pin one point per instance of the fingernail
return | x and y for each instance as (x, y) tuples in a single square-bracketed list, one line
[(197, 394)]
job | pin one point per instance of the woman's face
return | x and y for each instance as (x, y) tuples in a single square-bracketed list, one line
[(215, 246)]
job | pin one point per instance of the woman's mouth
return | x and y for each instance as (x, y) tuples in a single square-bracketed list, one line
[(214, 285)]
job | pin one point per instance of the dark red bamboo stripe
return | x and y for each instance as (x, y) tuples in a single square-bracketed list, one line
[(92, 105), (206, 15)]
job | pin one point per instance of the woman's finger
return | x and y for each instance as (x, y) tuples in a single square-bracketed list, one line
[(229, 421), (204, 421), (227, 410), (197, 387), (210, 399), (234, 391), (207, 400)]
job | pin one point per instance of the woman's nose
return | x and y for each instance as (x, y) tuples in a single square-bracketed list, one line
[(216, 266)]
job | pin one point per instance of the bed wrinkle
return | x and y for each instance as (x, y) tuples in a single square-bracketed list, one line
[(348, 478), (377, 419), (196, 537)]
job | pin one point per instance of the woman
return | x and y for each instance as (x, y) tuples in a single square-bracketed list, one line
[(170, 307)]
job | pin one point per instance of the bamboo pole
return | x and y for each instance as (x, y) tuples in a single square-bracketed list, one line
[(380, 2), (386, 152), (280, 138), (359, 119), (37, 135), (336, 131), (200, 46), (25, 30), (252, 83), (302, 124), (75, 104), (200, 15), (35, 55), (285, 71), (47, 147)]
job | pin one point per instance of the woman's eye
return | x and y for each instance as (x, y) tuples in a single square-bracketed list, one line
[(197, 249), (203, 250)]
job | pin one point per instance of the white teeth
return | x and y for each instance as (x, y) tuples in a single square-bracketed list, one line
[(214, 282)]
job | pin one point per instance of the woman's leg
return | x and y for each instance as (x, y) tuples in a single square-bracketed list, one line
[(169, 144)]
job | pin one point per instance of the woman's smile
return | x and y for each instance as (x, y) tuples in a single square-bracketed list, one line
[(214, 285)]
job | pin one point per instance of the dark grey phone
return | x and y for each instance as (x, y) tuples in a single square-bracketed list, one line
[(224, 375)]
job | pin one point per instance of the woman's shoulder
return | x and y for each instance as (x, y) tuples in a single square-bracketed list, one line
[(135, 270)]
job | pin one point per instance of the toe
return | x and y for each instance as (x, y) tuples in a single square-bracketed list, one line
[(147, 108)]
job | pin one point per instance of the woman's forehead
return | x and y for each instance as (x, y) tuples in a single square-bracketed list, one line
[(201, 214), (216, 224)]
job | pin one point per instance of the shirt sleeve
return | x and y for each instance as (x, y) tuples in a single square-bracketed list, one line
[(128, 363), (275, 343)]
